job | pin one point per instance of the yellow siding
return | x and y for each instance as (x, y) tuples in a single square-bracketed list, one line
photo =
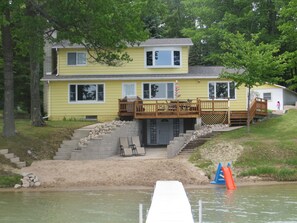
[(60, 108), (199, 88), (137, 66)]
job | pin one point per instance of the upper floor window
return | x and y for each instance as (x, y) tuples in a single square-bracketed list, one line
[(76, 58), (158, 90), (86, 92), (163, 57), (221, 90)]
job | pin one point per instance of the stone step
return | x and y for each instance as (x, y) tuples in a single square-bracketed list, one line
[(66, 149), (70, 142), (21, 164), (63, 153), (60, 158), (15, 160), (3, 151), (9, 155)]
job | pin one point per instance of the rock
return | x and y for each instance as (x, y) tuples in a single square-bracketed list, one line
[(37, 184), (17, 186)]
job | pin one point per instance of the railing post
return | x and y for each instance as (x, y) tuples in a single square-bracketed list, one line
[(229, 113), (135, 107), (156, 107), (177, 109), (200, 211), (212, 105), (140, 213)]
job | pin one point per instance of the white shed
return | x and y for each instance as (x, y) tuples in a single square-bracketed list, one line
[(274, 93)]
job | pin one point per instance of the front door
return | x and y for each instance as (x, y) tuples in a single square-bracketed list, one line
[(165, 132)]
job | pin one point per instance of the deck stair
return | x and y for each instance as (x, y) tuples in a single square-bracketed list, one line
[(12, 158)]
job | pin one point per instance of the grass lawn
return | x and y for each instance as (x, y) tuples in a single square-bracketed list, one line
[(270, 149), (42, 141)]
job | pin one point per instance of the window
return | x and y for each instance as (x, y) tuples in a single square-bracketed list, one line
[(267, 96), (221, 90), (76, 58), (158, 90), (129, 89), (163, 58), (86, 92)]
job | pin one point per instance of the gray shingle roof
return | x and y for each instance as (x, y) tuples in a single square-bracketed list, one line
[(167, 42), (195, 72), (147, 43)]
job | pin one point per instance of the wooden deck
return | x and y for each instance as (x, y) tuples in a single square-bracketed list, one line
[(189, 109)]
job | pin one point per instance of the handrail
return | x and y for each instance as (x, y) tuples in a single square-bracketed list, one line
[(178, 108), (258, 107)]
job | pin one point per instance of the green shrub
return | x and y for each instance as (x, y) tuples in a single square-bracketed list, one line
[(260, 171), (286, 174), (10, 180)]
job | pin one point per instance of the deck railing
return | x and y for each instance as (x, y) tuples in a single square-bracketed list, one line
[(171, 108), (258, 107), (166, 109)]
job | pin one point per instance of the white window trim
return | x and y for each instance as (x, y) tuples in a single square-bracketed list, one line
[(154, 99), (134, 95), (86, 102), (268, 93), (76, 65), (231, 99), (172, 49)]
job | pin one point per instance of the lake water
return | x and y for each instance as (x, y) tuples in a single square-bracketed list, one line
[(277, 203)]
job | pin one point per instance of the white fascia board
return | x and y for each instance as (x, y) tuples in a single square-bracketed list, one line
[(131, 78)]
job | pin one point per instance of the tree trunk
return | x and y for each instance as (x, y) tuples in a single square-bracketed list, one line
[(8, 113), (36, 55), (36, 117), (248, 111)]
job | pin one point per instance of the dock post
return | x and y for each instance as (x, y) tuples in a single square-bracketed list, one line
[(140, 213), (200, 211)]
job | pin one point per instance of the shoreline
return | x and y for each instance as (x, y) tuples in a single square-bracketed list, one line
[(123, 188)]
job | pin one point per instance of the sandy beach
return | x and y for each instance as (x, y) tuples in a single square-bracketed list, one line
[(115, 173)]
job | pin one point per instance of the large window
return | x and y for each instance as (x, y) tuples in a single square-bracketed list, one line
[(86, 92), (221, 90), (158, 90), (163, 58), (76, 58)]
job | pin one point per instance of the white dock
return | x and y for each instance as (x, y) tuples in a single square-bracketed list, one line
[(170, 204)]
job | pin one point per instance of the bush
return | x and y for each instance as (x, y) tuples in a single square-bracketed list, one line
[(10, 180)]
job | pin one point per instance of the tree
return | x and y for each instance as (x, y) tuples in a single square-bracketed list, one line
[(215, 18), (6, 36), (104, 29), (287, 27), (252, 63)]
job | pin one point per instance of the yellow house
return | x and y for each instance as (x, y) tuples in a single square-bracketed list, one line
[(158, 88)]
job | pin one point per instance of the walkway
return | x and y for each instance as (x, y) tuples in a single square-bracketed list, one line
[(170, 204)]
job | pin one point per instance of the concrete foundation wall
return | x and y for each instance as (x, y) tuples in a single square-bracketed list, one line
[(108, 145)]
